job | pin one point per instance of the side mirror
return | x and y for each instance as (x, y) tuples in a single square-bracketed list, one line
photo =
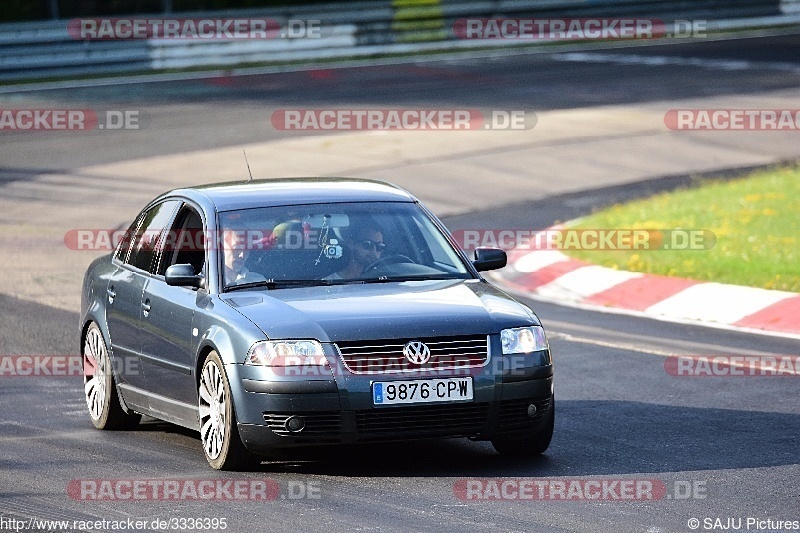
[(489, 259), (183, 276)]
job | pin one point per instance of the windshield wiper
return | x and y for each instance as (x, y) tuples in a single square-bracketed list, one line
[(279, 284), (390, 279)]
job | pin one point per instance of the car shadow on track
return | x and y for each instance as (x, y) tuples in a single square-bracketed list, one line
[(591, 438)]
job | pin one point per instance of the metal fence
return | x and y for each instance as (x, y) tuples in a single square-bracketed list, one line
[(42, 50)]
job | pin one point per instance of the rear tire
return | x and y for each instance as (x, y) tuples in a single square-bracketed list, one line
[(100, 386), (219, 432), (529, 446)]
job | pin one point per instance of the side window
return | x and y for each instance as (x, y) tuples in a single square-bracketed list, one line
[(418, 241), (145, 241), (184, 243), (121, 253), (432, 246)]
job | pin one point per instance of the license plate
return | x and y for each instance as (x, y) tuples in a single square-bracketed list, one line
[(422, 391)]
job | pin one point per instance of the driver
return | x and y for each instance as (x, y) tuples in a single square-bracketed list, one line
[(363, 246)]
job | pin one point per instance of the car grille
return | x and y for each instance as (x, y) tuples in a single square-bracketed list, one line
[(320, 427), (446, 420), (514, 413), (381, 357)]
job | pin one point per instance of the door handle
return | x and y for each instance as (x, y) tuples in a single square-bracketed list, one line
[(146, 307), (111, 294)]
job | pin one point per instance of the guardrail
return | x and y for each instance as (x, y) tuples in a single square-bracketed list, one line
[(41, 50)]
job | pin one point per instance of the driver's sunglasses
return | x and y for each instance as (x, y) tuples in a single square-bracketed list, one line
[(368, 244)]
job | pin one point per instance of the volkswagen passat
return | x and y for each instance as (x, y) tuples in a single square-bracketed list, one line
[(274, 314)]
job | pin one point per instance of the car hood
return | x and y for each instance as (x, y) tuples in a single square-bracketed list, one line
[(381, 311)]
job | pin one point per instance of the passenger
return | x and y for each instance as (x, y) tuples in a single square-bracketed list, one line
[(235, 252)]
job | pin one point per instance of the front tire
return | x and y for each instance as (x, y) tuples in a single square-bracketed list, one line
[(532, 445), (100, 387), (219, 433)]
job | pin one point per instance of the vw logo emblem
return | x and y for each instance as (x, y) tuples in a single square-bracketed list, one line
[(417, 352)]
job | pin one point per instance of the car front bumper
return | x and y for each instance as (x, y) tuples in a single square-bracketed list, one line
[(337, 408)]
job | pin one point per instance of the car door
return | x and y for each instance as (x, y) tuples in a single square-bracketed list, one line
[(168, 343), (124, 293)]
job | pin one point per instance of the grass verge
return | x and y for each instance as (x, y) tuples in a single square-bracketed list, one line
[(756, 221)]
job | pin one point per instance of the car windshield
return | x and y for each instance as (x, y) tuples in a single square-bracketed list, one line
[(326, 244)]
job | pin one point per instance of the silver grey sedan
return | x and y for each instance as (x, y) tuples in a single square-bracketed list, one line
[(307, 312)]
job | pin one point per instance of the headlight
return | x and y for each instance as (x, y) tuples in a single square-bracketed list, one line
[(286, 353), (523, 340)]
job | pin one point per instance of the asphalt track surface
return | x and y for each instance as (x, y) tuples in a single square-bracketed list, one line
[(229, 111), (620, 414)]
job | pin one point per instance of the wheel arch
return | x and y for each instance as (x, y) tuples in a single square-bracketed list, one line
[(202, 355)]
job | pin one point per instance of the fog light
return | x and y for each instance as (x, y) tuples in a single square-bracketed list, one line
[(531, 411), (295, 424)]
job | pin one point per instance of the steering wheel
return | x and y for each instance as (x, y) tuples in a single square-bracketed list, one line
[(387, 260)]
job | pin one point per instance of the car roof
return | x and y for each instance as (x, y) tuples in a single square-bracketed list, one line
[(290, 191)]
